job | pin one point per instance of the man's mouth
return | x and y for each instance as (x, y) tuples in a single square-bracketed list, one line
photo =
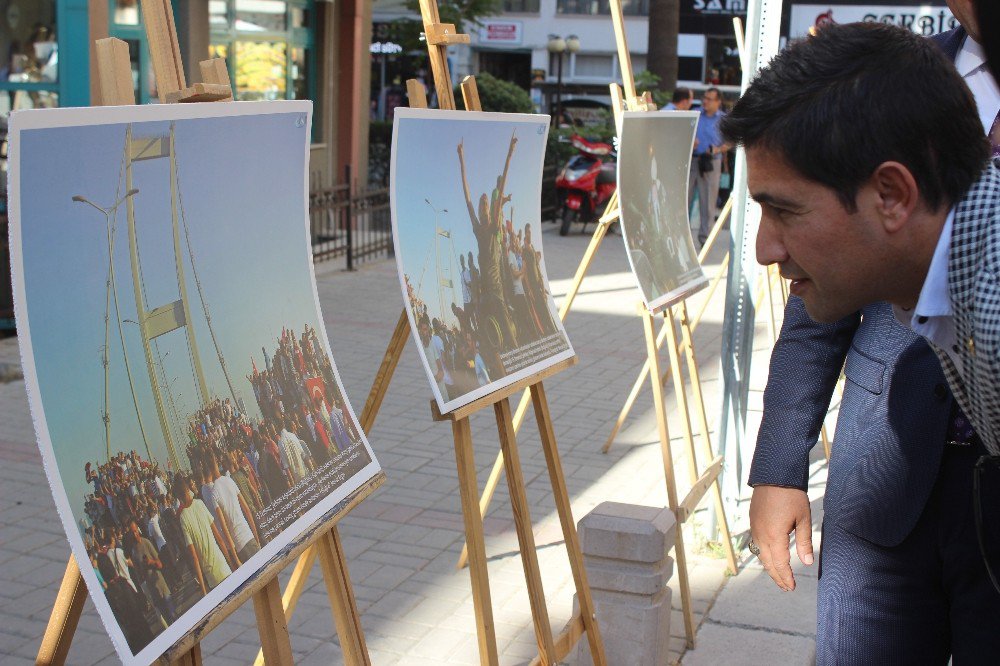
[(797, 285)]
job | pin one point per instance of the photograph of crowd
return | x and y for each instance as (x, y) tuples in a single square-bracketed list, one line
[(160, 539), (468, 250), (183, 456), (653, 169)]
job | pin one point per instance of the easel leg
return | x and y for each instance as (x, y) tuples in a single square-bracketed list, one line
[(525, 537), (522, 406), (345, 609), (680, 393), (190, 658), (706, 442), (272, 626), (485, 629), (772, 328), (668, 472), (296, 585), (380, 385), (390, 360), (65, 616), (637, 386), (558, 480)]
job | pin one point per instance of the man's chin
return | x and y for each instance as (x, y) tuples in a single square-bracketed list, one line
[(825, 312)]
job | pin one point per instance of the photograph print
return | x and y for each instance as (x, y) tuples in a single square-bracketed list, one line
[(465, 198), (654, 158), (186, 402)]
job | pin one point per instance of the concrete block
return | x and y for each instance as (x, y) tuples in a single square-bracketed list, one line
[(625, 550), (634, 634), (627, 532)]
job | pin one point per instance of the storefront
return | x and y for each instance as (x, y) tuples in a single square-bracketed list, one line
[(707, 50), (275, 49), (44, 47), (928, 18), (500, 51), (394, 59)]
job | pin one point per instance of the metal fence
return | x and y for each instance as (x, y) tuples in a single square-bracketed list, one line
[(351, 222), (344, 221)]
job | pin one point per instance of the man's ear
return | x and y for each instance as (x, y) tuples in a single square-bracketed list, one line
[(896, 194)]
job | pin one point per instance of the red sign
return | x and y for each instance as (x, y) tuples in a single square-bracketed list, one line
[(501, 32)]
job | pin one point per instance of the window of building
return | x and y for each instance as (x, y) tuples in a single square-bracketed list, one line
[(593, 66), (29, 75), (521, 6), (592, 7), (268, 46), (126, 25)]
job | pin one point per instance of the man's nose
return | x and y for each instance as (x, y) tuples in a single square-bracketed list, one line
[(770, 249)]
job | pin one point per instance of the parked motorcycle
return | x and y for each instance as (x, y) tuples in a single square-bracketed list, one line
[(586, 183)]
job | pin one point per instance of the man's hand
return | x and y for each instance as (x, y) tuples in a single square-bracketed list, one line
[(776, 512)]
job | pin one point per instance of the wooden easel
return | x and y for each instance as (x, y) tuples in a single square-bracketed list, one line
[(702, 254), (551, 649), (722, 271), (702, 480), (115, 79)]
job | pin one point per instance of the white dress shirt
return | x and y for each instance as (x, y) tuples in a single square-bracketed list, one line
[(932, 317), (971, 64)]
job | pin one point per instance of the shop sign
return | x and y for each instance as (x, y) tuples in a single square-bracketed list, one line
[(501, 32), (712, 7), (385, 48), (921, 19)]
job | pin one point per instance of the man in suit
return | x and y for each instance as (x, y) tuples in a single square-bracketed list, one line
[(902, 579)]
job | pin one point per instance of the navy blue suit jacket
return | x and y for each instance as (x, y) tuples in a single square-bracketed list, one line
[(893, 419)]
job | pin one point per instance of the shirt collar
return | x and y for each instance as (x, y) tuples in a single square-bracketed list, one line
[(970, 57), (935, 300)]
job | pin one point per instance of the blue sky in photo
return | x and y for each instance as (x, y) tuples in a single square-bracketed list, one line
[(427, 169), (242, 184)]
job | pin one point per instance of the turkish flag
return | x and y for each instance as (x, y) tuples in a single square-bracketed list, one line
[(316, 389)]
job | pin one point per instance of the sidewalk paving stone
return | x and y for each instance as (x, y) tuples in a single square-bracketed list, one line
[(404, 541)]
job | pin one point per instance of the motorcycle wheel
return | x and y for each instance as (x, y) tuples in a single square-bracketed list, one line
[(567, 221)]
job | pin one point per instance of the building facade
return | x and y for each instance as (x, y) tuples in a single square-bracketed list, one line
[(513, 45), (275, 49)]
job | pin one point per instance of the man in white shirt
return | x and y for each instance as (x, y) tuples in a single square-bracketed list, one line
[(435, 358), (230, 503)]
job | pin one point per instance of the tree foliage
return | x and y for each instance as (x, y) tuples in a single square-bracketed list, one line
[(498, 95), (646, 80), (461, 11)]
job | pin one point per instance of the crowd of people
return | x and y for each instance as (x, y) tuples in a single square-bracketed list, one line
[(159, 539), (659, 242), (505, 302)]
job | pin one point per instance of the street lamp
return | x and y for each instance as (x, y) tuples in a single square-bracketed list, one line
[(108, 212), (557, 46)]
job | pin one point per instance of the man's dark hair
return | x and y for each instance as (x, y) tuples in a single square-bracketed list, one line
[(838, 104), (715, 90), (681, 94)]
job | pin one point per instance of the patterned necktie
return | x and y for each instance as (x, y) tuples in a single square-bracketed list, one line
[(995, 137), (959, 429)]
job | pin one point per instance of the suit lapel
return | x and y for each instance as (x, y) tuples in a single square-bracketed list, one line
[(973, 216), (950, 42), (972, 253)]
